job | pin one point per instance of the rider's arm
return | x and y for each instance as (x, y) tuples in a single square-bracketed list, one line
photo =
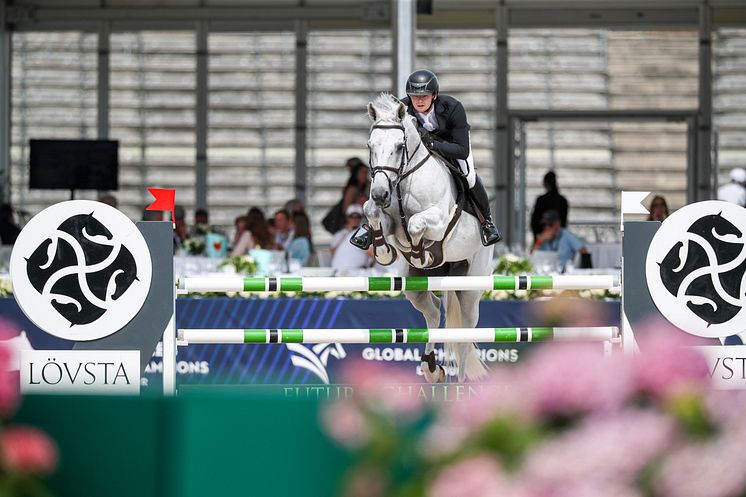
[(459, 147)]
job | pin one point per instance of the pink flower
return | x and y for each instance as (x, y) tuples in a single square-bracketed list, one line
[(602, 448), (28, 450), (712, 469), (667, 363), (383, 388), (477, 476), (346, 424), (567, 379)]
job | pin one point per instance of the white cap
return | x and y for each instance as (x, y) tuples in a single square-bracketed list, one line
[(354, 209), (738, 175)]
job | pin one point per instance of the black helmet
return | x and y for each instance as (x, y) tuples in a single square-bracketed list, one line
[(422, 82)]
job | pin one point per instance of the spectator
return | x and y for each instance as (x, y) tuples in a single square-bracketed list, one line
[(254, 235), (658, 209), (9, 230), (294, 206), (735, 191), (301, 246), (353, 163), (180, 230), (554, 237), (283, 230), (359, 178), (551, 200), (335, 219), (108, 199), (201, 224), (345, 255), (241, 237)]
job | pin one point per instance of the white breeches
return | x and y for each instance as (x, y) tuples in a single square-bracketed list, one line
[(467, 168)]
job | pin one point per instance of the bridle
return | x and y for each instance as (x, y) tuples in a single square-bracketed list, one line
[(403, 163), (401, 173)]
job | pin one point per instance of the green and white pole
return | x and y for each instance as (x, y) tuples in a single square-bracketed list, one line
[(395, 335), (409, 283)]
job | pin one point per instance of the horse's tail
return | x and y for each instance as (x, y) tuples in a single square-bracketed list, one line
[(464, 356)]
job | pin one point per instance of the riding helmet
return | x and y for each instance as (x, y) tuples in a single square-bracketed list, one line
[(422, 82)]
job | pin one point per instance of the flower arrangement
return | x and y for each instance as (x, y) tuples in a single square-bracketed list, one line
[(512, 264), (27, 454), (242, 264), (194, 246), (564, 423)]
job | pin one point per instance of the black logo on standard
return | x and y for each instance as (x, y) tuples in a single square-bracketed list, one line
[(705, 269), (82, 269)]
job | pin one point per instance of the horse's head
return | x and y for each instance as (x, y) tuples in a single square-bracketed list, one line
[(391, 135)]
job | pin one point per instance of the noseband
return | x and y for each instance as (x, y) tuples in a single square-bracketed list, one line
[(403, 163)]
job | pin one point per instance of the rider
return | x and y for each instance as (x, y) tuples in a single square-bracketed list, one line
[(442, 124)]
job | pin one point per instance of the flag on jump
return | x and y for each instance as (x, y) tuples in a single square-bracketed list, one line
[(164, 201)]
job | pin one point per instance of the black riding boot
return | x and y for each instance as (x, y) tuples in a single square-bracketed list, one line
[(490, 233), (362, 238)]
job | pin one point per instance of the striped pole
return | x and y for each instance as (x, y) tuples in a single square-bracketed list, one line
[(395, 335), (388, 283)]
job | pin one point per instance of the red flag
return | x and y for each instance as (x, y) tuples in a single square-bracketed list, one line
[(164, 201)]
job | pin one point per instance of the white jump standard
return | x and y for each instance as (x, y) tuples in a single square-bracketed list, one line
[(407, 283), (395, 335)]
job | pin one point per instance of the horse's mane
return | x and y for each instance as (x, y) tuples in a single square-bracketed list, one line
[(386, 106)]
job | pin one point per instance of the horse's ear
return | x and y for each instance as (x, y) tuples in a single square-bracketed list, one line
[(401, 111), (371, 112)]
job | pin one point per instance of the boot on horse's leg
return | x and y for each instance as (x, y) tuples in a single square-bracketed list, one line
[(362, 238), (489, 232)]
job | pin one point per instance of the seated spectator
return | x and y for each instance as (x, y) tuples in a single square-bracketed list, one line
[(658, 209), (181, 229), (108, 199), (241, 236), (294, 206), (335, 219), (9, 230), (301, 246), (201, 224), (735, 191), (283, 230), (253, 234), (345, 255), (558, 239), (551, 200)]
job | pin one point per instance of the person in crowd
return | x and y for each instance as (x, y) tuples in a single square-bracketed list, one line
[(201, 224), (335, 219), (735, 191), (241, 236), (9, 230), (283, 230), (551, 200), (301, 246), (344, 255), (658, 209), (109, 199), (294, 206), (353, 163), (181, 230), (444, 129), (359, 178), (554, 237)]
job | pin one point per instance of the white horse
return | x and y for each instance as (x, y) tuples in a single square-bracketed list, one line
[(413, 211)]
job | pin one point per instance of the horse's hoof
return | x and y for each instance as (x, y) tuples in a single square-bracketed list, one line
[(437, 376)]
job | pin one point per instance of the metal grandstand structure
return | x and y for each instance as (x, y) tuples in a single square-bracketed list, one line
[(251, 103)]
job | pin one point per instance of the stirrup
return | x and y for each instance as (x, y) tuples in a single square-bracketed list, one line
[(362, 241), (489, 233)]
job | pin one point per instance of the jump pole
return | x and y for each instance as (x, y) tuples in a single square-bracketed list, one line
[(394, 335), (408, 283)]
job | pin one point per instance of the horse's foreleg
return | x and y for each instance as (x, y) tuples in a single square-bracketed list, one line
[(429, 305), (384, 253), (430, 224)]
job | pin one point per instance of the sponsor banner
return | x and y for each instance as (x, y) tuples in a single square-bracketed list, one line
[(727, 365), (80, 371)]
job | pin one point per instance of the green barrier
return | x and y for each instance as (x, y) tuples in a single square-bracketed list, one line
[(199, 444)]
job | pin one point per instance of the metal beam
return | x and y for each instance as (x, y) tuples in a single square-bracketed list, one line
[(200, 110), (635, 115), (404, 27), (5, 103), (102, 87), (301, 71), (504, 174), (701, 177)]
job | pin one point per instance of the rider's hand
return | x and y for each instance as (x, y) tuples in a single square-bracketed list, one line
[(427, 139)]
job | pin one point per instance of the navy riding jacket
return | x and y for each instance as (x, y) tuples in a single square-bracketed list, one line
[(453, 130)]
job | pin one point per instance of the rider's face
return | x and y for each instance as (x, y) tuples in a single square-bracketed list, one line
[(422, 103)]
